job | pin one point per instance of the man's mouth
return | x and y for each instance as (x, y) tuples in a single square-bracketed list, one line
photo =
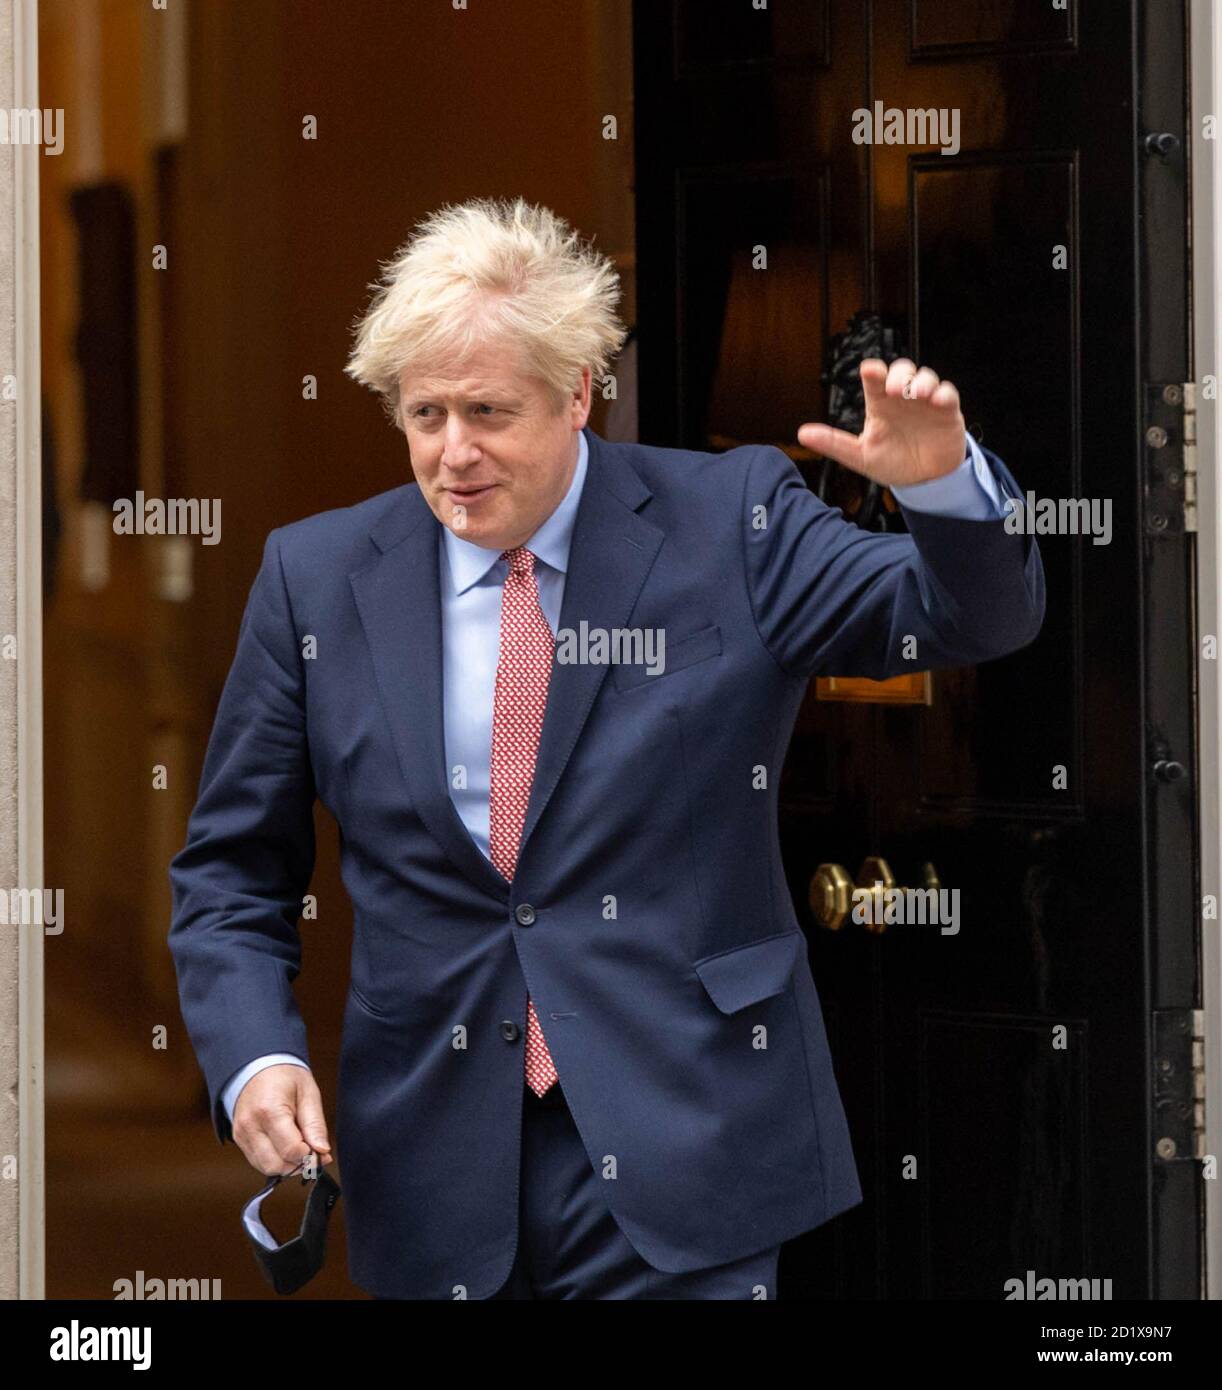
[(466, 495)]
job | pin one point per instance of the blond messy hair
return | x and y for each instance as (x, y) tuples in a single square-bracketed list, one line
[(484, 271)]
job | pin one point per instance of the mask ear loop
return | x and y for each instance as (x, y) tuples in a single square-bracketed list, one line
[(310, 1167), (250, 1214), (310, 1160), (301, 1165)]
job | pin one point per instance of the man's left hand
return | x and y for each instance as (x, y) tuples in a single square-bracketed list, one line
[(913, 428)]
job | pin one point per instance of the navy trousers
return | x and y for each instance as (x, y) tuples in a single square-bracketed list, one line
[(569, 1245)]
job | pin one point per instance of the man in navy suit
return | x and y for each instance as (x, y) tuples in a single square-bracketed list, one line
[(546, 690)]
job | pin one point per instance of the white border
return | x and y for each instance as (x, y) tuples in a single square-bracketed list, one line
[(1205, 49), (31, 1217)]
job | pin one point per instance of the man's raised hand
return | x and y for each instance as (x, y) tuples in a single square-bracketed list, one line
[(913, 428)]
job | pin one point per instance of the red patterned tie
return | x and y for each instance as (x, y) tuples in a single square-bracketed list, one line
[(522, 675)]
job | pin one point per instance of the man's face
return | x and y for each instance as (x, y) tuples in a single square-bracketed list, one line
[(491, 455)]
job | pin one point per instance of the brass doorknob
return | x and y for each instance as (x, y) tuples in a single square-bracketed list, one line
[(833, 893), (875, 877), (831, 896)]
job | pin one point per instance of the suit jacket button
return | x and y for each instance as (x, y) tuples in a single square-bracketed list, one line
[(509, 1030), (525, 914)]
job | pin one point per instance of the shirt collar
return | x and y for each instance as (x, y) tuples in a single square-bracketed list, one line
[(469, 563)]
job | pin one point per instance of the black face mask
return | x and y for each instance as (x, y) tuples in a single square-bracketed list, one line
[(287, 1267)]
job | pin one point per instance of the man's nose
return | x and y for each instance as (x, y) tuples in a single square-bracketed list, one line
[(459, 449)]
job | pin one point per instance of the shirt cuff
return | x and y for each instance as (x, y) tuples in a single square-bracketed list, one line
[(971, 492), (233, 1087)]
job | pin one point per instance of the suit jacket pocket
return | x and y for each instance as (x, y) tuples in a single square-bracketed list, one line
[(747, 974), (366, 1005), (698, 646)]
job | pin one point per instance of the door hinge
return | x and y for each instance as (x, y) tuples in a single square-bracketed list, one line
[(1179, 1084), (1190, 456), (1169, 439)]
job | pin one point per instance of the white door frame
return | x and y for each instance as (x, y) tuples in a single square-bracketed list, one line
[(31, 1223)]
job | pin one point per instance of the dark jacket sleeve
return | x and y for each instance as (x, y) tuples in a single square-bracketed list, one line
[(831, 599), (239, 881)]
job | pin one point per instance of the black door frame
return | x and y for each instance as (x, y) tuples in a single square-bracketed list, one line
[(1171, 838), (1205, 158)]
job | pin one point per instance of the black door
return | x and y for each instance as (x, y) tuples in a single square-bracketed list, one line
[(1020, 1088)]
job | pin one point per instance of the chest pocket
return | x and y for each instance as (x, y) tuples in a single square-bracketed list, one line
[(677, 656)]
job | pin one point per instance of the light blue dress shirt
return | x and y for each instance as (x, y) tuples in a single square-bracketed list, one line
[(471, 582)]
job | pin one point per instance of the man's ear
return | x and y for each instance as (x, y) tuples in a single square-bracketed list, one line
[(579, 402)]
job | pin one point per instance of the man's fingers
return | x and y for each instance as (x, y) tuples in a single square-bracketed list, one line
[(260, 1152), (873, 373), (286, 1137), (310, 1118), (836, 444), (270, 1137), (912, 420), (946, 395), (923, 385), (278, 1119), (900, 372)]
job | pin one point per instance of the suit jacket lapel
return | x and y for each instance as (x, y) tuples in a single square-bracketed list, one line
[(398, 598), (611, 554)]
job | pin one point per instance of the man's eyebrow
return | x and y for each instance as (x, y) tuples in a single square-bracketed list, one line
[(493, 394)]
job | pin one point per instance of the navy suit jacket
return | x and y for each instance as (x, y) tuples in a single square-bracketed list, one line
[(649, 915)]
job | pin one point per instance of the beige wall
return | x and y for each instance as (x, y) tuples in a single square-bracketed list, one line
[(20, 727), (272, 241), (9, 1050)]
